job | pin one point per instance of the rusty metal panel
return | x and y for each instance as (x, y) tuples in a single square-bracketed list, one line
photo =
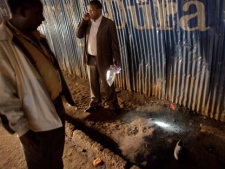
[(4, 12), (59, 28), (170, 49)]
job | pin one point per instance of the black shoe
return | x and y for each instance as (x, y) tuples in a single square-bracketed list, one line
[(91, 109), (116, 110)]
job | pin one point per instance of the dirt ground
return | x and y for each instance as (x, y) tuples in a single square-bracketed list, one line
[(144, 134)]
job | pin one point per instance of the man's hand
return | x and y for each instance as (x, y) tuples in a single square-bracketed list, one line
[(30, 138), (86, 16), (118, 64)]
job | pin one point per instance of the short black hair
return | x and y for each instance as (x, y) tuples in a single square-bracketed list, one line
[(96, 3), (16, 4)]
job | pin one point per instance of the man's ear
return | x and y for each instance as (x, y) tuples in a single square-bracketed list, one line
[(100, 10)]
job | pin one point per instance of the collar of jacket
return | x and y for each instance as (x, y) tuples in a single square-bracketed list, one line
[(103, 21), (5, 32)]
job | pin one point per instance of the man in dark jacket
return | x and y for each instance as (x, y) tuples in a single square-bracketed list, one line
[(101, 50)]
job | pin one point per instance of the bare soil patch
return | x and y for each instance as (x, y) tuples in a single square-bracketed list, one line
[(144, 134), (147, 130)]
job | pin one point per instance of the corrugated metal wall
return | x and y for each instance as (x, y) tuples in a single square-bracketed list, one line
[(171, 49)]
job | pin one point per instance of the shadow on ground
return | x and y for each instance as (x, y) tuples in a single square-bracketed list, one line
[(147, 130)]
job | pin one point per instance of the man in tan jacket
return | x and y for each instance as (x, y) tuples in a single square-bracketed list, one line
[(31, 86), (101, 50)]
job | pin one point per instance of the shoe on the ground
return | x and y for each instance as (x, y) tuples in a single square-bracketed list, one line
[(116, 110), (106, 106), (91, 109)]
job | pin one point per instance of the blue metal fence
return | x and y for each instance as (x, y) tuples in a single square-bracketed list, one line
[(170, 49)]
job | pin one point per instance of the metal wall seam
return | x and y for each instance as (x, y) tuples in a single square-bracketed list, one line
[(170, 49)]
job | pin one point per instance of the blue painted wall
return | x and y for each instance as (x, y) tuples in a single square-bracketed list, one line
[(171, 49)]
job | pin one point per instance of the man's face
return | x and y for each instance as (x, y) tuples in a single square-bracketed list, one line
[(33, 17), (94, 12)]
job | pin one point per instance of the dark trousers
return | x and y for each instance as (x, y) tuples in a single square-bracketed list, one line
[(47, 155)]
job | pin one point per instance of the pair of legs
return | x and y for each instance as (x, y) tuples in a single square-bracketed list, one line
[(97, 78), (48, 154)]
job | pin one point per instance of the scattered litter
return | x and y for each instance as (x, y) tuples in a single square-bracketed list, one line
[(172, 106), (96, 162), (179, 150)]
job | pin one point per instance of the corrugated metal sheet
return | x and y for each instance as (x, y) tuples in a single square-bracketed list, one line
[(171, 49), (4, 12)]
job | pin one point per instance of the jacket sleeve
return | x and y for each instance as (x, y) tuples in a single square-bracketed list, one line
[(115, 43), (11, 113), (65, 88), (81, 29)]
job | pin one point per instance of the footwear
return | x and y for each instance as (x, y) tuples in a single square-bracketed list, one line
[(91, 109), (116, 110), (106, 106)]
